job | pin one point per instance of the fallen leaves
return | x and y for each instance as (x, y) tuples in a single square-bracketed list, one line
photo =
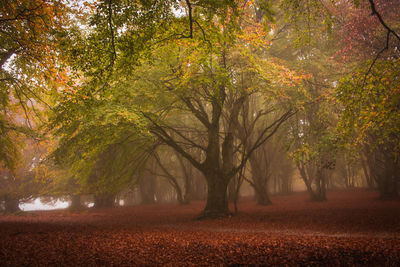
[(352, 228)]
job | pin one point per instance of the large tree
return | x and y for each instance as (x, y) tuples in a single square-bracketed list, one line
[(201, 67)]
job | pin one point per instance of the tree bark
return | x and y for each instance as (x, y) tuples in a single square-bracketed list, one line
[(75, 203), (260, 177), (104, 200), (147, 188), (367, 172), (217, 200), (11, 204)]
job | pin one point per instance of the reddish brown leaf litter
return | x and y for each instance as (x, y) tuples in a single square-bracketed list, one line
[(352, 228)]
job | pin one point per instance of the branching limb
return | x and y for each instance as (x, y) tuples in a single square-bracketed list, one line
[(389, 32), (199, 113), (160, 132), (376, 13), (267, 133)]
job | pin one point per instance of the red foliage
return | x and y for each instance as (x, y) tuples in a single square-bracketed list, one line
[(361, 34), (352, 228)]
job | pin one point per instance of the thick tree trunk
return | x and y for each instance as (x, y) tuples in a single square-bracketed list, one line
[(231, 191), (75, 203), (104, 200), (320, 192), (310, 191), (263, 197), (261, 190), (386, 176), (217, 200), (11, 204)]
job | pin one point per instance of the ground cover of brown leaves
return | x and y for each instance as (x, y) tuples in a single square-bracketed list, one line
[(352, 228)]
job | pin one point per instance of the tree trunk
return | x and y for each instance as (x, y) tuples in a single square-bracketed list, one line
[(320, 192), (75, 203), (238, 183), (11, 204), (178, 191), (367, 173), (232, 190), (104, 200), (262, 197), (286, 185), (198, 187), (217, 180), (306, 181), (187, 179), (217, 200), (147, 189), (260, 177)]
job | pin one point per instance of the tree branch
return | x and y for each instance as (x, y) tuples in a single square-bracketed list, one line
[(190, 19), (114, 55), (262, 138), (159, 131), (200, 114), (376, 13)]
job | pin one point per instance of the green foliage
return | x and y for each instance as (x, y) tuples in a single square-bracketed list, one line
[(125, 67), (9, 152), (136, 69), (371, 104), (310, 18)]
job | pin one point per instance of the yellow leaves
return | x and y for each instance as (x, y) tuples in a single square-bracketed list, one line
[(254, 35)]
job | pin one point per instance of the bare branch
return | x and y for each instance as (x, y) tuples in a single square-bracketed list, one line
[(376, 13), (263, 137), (160, 132)]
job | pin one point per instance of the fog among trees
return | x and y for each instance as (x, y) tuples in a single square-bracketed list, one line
[(205, 105)]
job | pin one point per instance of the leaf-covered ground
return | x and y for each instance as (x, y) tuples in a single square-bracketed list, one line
[(352, 228)]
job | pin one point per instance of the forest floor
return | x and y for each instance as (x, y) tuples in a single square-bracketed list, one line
[(351, 228)]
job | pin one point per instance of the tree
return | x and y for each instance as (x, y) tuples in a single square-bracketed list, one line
[(28, 63), (182, 191), (205, 74), (23, 182), (369, 96), (371, 120), (304, 39), (210, 100)]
